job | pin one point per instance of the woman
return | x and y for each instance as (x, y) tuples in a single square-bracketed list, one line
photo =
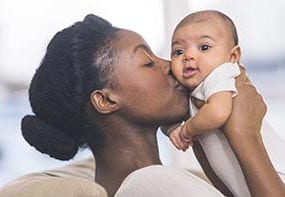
[(102, 86)]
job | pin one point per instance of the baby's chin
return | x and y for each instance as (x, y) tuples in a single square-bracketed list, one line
[(191, 86)]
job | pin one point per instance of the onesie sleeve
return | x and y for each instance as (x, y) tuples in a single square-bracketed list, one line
[(221, 79)]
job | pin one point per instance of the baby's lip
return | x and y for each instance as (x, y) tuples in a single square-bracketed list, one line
[(189, 71)]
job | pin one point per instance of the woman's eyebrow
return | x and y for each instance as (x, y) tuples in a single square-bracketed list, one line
[(142, 46)]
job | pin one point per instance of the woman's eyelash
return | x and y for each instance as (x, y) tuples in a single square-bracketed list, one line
[(150, 64)]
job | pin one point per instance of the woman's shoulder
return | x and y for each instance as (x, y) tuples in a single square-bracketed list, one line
[(158, 180), (71, 180)]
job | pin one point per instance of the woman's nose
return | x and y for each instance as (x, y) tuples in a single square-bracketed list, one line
[(166, 66)]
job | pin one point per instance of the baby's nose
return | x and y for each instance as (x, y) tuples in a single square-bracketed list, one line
[(190, 54)]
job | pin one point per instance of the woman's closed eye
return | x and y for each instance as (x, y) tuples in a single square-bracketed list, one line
[(177, 52), (204, 47), (149, 64)]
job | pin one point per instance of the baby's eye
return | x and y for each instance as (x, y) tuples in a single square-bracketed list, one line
[(204, 47), (178, 52)]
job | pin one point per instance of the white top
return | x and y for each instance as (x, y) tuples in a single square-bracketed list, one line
[(214, 143), (220, 79), (165, 181)]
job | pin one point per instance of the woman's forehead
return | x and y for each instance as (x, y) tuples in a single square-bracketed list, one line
[(130, 39)]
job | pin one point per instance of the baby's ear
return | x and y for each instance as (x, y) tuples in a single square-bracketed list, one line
[(235, 54)]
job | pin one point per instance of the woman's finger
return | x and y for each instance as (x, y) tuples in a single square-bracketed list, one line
[(242, 77)]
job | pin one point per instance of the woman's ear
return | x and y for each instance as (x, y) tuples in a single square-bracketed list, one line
[(235, 54), (103, 102)]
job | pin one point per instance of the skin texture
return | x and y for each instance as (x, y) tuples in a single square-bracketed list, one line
[(141, 90)]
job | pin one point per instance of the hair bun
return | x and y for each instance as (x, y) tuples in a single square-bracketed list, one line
[(95, 20), (47, 139)]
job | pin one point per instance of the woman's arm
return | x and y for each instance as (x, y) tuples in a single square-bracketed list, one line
[(243, 132), (203, 160)]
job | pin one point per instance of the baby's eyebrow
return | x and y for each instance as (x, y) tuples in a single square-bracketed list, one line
[(206, 36), (174, 43)]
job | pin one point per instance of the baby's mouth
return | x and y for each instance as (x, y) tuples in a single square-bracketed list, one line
[(189, 72)]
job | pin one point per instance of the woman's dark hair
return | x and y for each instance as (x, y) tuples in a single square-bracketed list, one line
[(77, 61)]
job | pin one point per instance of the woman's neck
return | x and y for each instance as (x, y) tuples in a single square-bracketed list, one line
[(124, 152)]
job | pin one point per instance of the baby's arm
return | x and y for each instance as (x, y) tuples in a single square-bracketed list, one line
[(212, 115)]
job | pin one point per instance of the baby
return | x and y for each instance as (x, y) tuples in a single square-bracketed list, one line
[(205, 56)]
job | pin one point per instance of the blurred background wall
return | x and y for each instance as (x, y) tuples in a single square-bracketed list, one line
[(27, 26)]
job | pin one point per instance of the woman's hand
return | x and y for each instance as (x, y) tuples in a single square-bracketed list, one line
[(243, 132), (248, 110)]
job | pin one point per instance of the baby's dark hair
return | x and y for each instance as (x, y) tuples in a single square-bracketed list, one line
[(78, 60), (204, 15)]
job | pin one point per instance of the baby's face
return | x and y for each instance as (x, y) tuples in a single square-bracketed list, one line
[(197, 49)]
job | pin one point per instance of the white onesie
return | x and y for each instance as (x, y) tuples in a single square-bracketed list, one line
[(214, 143)]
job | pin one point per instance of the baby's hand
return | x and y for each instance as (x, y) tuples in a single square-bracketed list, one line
[(184, 135), (177, 141), (167, 129)]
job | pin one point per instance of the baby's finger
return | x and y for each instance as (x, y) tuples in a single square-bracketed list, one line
[(188, 140), (174, 142), (184, 137), (184, 145), (195, 138), (181, 144)]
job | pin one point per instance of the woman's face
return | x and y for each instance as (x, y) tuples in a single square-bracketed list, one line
[(147, 91)]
